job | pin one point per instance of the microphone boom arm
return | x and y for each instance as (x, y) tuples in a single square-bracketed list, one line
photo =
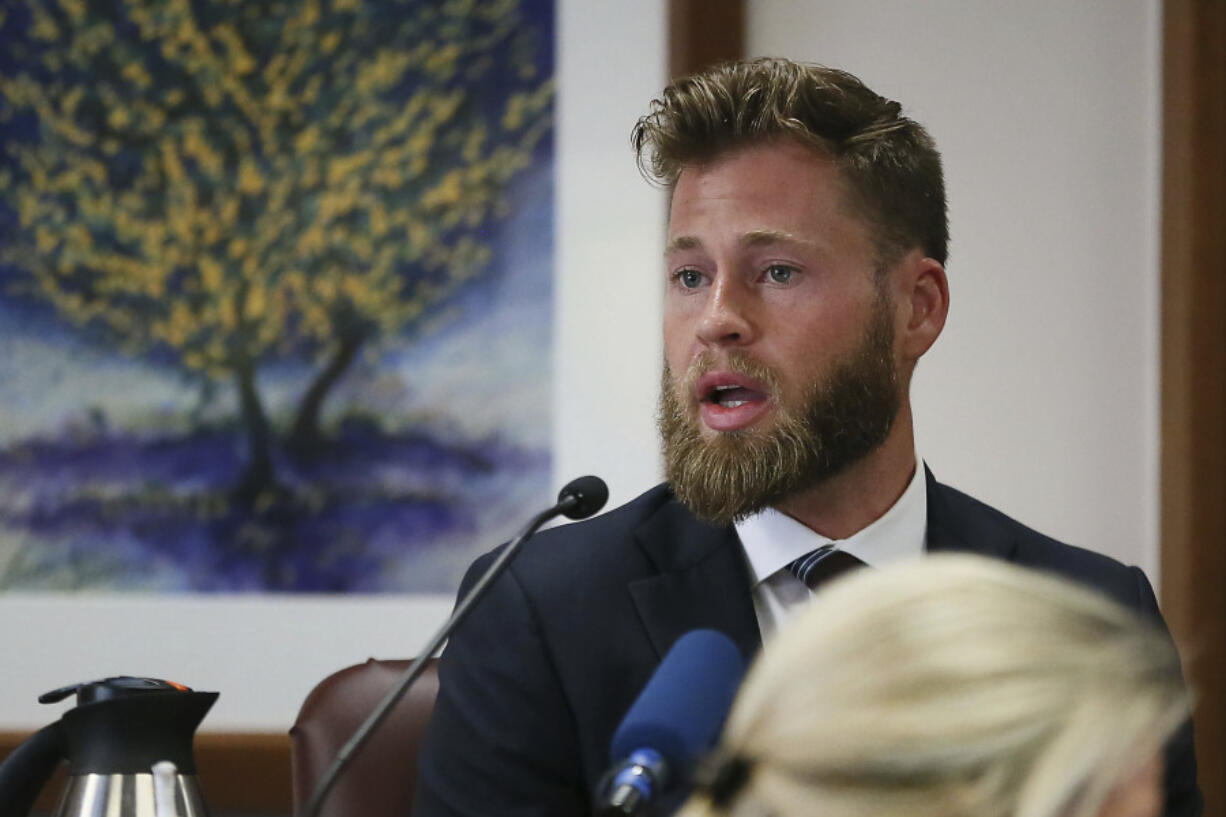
[(575, 504)]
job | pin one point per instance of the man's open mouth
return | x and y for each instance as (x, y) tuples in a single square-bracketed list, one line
[(732, 395), (728, 401)]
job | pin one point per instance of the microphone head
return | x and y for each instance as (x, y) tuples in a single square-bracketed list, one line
[(582, 497), (682, 709)]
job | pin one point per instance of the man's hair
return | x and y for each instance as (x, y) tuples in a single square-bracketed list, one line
[(950, 686), (889, 163)]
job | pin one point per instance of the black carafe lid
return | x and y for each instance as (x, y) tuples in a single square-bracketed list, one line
[(124, 725)]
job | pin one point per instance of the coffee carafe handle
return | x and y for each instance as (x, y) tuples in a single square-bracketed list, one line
[(28, 768)]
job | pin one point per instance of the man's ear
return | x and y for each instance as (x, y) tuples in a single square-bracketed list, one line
[(923, 303)]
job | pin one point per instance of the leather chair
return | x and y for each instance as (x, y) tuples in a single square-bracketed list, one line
[(381, 778)]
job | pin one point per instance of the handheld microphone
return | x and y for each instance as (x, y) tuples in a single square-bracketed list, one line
[(578, 499), (673, 722)]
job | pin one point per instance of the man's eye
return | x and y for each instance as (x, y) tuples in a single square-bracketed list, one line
[(779, 274), (688, 278)]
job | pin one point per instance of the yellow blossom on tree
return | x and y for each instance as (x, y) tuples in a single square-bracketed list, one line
[(231, 184)]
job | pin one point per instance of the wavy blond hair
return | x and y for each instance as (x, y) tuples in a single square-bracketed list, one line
[(890, 164), (950, 686)]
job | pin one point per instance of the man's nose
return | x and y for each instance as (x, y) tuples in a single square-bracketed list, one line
[(726, 318)]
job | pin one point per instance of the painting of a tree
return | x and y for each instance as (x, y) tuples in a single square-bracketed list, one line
[(224, 186)]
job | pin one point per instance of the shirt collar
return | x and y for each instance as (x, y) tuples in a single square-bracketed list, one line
[(772, 540)]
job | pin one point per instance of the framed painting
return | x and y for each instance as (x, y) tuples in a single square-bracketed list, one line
[(275, 291)]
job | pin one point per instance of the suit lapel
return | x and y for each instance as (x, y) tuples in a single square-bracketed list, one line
[(702, 581), (954, 527)]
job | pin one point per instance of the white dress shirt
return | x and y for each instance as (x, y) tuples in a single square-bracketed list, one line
[(772, 540)]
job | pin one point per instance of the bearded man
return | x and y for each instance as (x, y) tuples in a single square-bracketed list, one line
[(805, 279)]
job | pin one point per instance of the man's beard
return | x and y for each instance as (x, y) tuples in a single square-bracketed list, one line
[(841, 419)]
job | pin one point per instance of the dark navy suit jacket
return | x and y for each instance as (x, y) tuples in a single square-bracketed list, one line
[(536, 680)]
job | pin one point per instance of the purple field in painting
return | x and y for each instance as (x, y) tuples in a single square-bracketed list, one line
[(124, 511)]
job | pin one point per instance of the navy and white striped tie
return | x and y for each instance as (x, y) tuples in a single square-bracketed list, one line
[(819, 566)]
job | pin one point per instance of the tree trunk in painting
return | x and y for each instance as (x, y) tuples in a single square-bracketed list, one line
[(305, 435), (259, 475)]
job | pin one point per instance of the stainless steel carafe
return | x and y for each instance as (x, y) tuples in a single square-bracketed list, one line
[(128, 745)]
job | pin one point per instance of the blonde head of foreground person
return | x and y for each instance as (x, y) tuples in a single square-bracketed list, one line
[(951, 686)]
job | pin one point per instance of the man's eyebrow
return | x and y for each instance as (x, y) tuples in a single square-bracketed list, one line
[(753, 238), (758, 238), (683, 242)]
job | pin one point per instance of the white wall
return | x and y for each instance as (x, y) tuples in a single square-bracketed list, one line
[(1040, 398)]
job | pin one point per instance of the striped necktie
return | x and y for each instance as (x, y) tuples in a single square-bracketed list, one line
[(819, 566)]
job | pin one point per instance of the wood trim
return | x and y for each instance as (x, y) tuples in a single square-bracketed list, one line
[(245, 772), (704, 32), (1193, 461), (240, 772)]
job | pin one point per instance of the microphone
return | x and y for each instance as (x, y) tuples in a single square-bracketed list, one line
[(578, 499), (673, 722), (582, 497)]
